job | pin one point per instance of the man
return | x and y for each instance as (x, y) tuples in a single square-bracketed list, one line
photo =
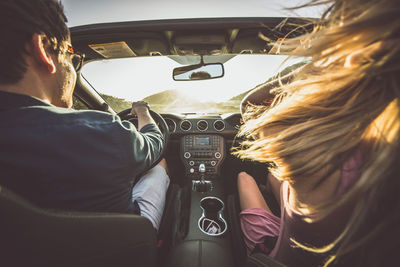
[(57, 157)]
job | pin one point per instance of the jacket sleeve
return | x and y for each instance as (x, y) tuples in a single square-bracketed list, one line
[(142, 147)]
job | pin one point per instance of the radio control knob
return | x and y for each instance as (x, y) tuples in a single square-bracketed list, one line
[(217, 155), (187, 155), (191, 163), (213, 163)]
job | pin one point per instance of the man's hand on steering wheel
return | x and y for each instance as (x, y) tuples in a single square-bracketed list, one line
[(139, 106), (140, 109)]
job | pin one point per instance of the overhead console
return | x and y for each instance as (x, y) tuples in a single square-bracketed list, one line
[(207, 36), (207, 149)]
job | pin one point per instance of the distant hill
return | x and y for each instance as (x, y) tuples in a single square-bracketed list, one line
[(170, 97), (171, 101), (118, 104)]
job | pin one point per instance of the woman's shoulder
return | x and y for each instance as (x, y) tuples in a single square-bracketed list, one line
[(326, 183)]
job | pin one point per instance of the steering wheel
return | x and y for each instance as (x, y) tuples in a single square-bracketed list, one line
[(162, 125)]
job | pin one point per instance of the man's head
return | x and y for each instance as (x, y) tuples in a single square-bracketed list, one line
[(35, 45), (200, 75)]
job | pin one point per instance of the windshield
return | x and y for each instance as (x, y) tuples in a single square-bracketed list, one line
[(120, 81)]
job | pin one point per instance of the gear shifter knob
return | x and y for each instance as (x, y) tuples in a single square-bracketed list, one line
[(202, 168), (202, 185)]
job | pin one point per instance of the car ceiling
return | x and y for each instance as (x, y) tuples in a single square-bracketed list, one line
[(184, 37)]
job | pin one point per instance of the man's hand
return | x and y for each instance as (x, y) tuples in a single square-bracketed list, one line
[(141, 110), (139, 107)]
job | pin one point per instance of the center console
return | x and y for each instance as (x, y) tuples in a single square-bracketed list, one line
[(207, 241), (207, 149)]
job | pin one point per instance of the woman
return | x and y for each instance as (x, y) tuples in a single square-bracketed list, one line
[(332, 134)]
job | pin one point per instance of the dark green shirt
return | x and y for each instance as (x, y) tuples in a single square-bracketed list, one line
[(72, 160)]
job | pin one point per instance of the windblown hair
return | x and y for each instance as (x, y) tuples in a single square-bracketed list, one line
[(346, 99), (19, 20)]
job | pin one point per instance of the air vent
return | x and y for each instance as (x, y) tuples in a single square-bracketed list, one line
[(219, 125), (186, 125), (202, 125)]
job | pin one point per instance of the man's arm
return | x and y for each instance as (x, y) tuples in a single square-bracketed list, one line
[(145, 145), (141, 110)]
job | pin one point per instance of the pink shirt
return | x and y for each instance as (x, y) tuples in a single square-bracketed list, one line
[(257, 224)]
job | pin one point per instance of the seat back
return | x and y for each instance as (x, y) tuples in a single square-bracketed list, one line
[(31, 236)]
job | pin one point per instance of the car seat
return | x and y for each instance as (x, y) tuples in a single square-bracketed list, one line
[(31, 236)]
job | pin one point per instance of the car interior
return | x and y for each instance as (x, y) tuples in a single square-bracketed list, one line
[(200, 226)]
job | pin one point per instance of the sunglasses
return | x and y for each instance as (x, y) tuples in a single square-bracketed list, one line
[(76, 57)]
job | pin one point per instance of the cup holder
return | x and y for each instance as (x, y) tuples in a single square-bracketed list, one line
[(211, 221)]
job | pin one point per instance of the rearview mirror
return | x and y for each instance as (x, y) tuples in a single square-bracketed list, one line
[(198, 72)]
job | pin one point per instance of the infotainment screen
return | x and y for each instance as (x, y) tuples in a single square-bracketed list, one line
[(202, 141)]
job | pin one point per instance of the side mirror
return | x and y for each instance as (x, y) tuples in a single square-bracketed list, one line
[(198, 72)]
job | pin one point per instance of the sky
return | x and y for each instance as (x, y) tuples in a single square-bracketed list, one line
[(81, 12)]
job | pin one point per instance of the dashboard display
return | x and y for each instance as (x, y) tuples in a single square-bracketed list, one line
[(202, 141)]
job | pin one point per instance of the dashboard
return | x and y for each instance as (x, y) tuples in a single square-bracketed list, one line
[(205, 149), (183, 124), (201, 140), (198, 124)]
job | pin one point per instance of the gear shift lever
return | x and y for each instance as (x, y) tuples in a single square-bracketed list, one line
[(202, 170), (202, 185)]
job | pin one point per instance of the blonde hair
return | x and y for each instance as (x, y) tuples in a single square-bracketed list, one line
[(345, 99)]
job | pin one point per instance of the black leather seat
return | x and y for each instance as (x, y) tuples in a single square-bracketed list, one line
[(31, 236)]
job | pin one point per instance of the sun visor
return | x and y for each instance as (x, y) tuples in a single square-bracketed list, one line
[(113, 50)]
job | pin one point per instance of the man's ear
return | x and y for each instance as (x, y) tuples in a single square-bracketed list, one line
[(41, 53)]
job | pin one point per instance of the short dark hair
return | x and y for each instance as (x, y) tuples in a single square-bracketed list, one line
[(19, 21)]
